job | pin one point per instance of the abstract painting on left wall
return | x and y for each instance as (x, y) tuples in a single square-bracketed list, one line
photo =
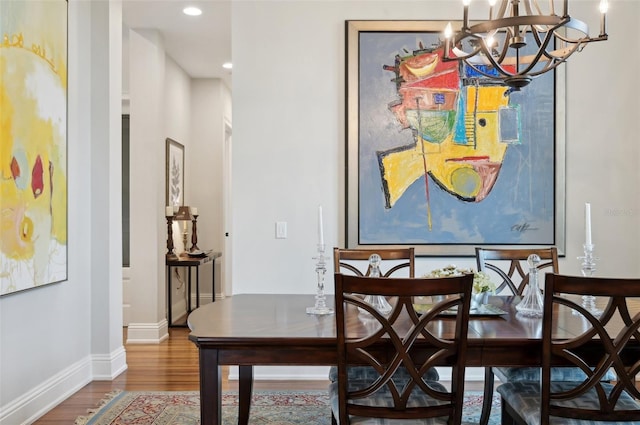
[(33, 144)]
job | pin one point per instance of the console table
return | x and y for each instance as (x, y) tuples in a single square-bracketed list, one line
[(190, 262)]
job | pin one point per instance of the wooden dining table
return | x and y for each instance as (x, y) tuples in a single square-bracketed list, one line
[(274, 329)]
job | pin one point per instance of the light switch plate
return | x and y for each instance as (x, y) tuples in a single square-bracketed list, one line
[(281, 229)]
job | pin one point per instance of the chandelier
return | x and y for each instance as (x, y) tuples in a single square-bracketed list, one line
[(520, 40)]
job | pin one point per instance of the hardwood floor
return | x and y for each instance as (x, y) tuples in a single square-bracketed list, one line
[(169, 366)]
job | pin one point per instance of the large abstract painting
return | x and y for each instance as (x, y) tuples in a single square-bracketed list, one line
[(33, 144), (442, 158)]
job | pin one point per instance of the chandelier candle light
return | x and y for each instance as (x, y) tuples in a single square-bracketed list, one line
[(321, 269), (520, 40)]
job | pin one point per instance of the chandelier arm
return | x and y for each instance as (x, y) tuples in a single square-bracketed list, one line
[(505, 46), (577, 25), (464, 55), (528, 7), (493, 62), (581, 41), (555, 55), (502, 9), (536, 6), (551, 65), (542, 50), (460, 54), (491, 76), (537, 29), (516, 21), (496, 65), (543, 42)]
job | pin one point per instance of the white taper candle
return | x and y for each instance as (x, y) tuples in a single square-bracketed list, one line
[(320, 227), (587, 224)]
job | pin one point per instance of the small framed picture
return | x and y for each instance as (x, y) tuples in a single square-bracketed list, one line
[(175, 173)]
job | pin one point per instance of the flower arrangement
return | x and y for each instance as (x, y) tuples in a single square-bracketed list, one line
[(481, 281)]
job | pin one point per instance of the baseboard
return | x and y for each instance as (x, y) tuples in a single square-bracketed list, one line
[(204, 299), (106, 367), (35, 403), (147, 333), (284, 373), (320, 373), (471, 374), (126, 289)]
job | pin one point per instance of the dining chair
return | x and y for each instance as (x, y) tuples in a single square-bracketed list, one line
[(509, 267), (356, 261), (401, 339), (397, 262), (591, 400)]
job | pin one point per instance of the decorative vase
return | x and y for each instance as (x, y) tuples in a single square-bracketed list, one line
[(479, 299)]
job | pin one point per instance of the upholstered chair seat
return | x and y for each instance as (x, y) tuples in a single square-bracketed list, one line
[(524, 397), (384, 398), (369, 374), (532, 374)]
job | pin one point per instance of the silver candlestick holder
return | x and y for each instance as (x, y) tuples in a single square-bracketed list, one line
[(588, 268), (321, 270)]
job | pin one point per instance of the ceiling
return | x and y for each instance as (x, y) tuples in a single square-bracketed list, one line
[(198, 44)]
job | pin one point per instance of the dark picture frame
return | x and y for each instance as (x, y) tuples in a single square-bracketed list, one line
[(174, 173), (436, 195)]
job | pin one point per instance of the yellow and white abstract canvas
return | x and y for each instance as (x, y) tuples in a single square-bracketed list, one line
[(33, 144)]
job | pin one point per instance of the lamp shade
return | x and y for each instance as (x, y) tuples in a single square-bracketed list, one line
[(184, 213)]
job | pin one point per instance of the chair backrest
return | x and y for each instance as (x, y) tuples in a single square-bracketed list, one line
[(614, 402), (401, 339), (514, 261), (356, 260)]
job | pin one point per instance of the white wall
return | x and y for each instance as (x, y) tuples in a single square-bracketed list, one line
[(288, 94), (289, 139), (55, 338), (211, 108), (166, 103), (147, 196)]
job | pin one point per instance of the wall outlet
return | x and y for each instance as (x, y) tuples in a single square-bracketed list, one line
[(281, 229)]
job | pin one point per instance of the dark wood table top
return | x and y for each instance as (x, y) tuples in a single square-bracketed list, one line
[(188, 260), (278, 324)]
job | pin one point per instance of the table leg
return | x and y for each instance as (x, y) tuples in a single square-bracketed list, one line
[(189, 290), (213, 280), (210, 387), (197, 286), (245, 389), (169, 294)]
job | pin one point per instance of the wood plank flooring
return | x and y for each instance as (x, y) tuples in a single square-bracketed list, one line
[(169, 366)]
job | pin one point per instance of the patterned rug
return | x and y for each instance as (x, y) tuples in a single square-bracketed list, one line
[(267, 408)]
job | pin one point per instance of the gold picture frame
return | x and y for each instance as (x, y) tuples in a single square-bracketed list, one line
[(402, 201)]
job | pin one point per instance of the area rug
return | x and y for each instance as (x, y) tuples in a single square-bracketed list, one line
[(267, 408)]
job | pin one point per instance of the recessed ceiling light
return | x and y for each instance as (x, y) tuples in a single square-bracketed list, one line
[(192, 11), (227, 65)]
